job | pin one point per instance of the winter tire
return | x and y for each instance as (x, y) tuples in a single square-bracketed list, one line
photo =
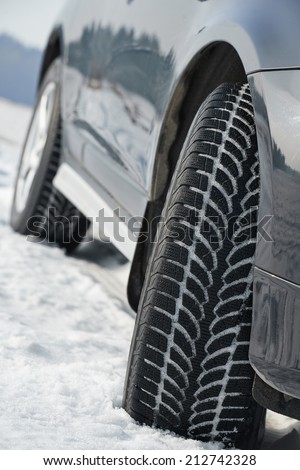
[(188, 368), (38, 209)]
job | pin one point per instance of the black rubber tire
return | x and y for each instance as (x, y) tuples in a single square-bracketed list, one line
[(188, 368), (48, 215)]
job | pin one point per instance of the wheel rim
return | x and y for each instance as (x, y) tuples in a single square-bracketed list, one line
[(34, 147)]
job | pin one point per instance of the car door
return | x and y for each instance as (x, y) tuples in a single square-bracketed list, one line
[(124, 51)]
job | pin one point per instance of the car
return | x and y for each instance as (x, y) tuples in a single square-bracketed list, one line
[(172, 128)]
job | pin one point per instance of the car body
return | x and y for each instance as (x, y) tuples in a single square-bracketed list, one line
[(134, 74)]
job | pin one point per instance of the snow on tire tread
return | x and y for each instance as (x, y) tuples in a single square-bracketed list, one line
[(201, 375)]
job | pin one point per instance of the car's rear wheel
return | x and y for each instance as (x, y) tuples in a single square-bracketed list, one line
[(188, 369), (39, 209)]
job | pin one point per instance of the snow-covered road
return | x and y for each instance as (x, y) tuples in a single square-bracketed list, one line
[(64, 340)]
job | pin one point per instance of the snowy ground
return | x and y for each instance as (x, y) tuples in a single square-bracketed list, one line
[(64, 341)]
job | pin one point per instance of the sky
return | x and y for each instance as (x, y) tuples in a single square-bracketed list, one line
[(29, 20)]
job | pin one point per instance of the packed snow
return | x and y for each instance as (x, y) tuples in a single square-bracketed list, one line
[(64, 339)]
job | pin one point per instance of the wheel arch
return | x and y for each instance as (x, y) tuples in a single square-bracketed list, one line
[(53, 50), (216, 64)]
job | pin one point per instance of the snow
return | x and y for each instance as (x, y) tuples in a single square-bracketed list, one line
[(64, 339)]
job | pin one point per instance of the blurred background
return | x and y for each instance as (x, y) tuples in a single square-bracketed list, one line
[(24, 29)]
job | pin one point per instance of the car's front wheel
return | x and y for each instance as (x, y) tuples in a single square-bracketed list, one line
[(39, 209), (188, 369)]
